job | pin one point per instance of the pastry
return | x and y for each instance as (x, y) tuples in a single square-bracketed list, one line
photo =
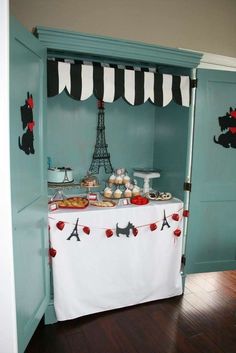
[(127, 193), (136, 191), (117, 194), (112, 179), (119, 180), (89, 181), (107, 192), (126, 179)]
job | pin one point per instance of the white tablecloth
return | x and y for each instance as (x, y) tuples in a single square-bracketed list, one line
[(99, 273)]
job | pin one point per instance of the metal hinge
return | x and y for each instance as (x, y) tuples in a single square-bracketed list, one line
[(194, 83), (187, 186), (183, 260)]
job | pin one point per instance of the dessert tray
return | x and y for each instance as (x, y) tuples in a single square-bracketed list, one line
[(73, 203), (64, 184), (103, 203), (159, 196)]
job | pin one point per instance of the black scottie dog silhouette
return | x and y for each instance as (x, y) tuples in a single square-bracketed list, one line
[(228, 121), (26, 142), (124, 230)]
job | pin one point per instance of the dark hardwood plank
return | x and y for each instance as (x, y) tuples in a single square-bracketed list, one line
[(203, 320)]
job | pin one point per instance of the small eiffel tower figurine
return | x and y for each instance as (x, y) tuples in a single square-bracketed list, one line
[(75, 232), (165, 223), (101, 157)]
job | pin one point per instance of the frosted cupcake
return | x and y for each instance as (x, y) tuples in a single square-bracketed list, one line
[(112, 179), (126, 179), (136, 191), (127, 193), (107, 192), (117, 194), (119, 180)]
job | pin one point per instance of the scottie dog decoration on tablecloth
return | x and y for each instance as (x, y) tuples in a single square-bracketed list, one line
[(228, 121), (27, 139), (125, 230)]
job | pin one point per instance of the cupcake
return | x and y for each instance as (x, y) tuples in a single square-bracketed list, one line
[(107, 192), (119, 180), (117, 194), (112, 179), (127, 193), (136, 191), (126, 179)]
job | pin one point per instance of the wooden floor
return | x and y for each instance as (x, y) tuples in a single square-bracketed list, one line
[(203, 320)]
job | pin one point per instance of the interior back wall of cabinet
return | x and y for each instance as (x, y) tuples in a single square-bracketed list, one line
[(71, 135), (170, 148)]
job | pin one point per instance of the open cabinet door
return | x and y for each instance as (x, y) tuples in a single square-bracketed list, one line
[(211, 236), (29, 191)]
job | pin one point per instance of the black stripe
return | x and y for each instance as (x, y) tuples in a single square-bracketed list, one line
[(98, 82), (76, 81), (139, 88), (52, 78), (176, 90), (158, 91), (119, 83)]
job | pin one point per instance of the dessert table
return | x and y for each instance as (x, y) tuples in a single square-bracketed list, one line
[(107, 258)]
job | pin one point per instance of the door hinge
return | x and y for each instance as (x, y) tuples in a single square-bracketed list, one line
[(183, 260), (187, 186), (193, 83)]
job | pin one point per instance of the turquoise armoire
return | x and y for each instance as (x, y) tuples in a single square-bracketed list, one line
[(175, 139)]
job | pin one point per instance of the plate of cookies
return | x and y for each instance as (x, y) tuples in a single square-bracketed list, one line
[(103, 203), (73, 202)]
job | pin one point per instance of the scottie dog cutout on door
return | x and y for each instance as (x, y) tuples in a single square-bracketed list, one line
[(227, 122), (26, 141)]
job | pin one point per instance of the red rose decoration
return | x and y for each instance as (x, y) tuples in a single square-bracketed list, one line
[(175, 216), (153, 227), (52, 252), (177, 232), (185, 213), (135, 231), (109, 233), (86, 230), (60, 225), (30, 102), (31, 125)]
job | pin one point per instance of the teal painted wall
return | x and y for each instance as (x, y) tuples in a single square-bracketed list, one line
[(170, 148), (71, 136)]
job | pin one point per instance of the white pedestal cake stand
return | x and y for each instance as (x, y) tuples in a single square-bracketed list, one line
[(146, 175)]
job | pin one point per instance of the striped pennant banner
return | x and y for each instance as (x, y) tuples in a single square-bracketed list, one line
[(110, 82)]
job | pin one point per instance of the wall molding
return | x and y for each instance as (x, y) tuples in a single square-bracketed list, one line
[(217, 62)]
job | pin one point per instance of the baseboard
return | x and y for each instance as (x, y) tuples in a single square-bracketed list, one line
[(50, 315)]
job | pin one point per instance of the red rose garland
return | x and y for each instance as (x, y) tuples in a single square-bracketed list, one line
[(153, 227), (52, 252), (86, 230), (109, 233), (60, 225), (177, 232), (175, 217)]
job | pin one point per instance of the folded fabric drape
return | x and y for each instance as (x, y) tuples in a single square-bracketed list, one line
[(109, 83)]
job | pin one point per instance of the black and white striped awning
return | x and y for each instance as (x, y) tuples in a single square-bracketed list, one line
[(110, 82)]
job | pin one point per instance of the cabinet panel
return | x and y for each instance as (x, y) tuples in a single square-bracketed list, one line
[(28, 180), (211, 243)]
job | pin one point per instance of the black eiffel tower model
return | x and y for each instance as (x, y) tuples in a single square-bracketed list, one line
[(101, 157)]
